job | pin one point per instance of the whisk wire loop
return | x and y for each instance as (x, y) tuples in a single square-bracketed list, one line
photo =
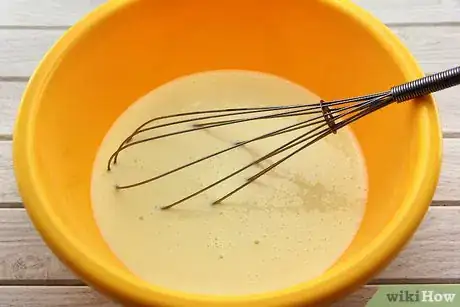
[(325, 118)]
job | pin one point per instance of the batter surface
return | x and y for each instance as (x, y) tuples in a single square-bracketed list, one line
[(289, 226)]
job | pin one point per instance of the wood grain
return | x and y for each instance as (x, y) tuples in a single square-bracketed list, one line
[(23, 255), (40, 296), (435, 47), (429, 28), (8, 187), (432, 254), (82, 296), (10, 97), (448, 102), (413, 11), (358, 298), (48, 13), (55, 13), (21, 50), (447, 189), (449, 181)]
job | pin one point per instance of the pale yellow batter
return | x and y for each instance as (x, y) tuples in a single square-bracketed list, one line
[(289, 226)]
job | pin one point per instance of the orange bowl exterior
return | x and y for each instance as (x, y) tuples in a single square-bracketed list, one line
[(124, 49)]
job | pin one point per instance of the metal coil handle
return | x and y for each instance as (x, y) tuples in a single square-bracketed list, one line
[(426, 85)]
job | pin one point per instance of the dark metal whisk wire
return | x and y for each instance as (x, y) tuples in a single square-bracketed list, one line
[(311, 140), (333, 115), (233, 112), (293, 143)]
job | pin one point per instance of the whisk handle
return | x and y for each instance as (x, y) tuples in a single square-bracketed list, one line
[(426, 85)]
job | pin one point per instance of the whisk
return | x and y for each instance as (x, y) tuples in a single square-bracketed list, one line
[(327, 117)]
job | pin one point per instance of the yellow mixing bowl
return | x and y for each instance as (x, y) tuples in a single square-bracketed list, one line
[(126, 48)]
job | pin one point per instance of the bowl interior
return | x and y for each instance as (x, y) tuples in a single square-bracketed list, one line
[(121, 57)]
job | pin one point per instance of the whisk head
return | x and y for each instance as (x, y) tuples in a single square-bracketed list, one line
[(321, 120)]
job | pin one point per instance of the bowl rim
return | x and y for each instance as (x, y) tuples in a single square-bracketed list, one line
[(355, 273)]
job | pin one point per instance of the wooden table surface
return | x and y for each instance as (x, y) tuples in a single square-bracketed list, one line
[(30, 275)]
